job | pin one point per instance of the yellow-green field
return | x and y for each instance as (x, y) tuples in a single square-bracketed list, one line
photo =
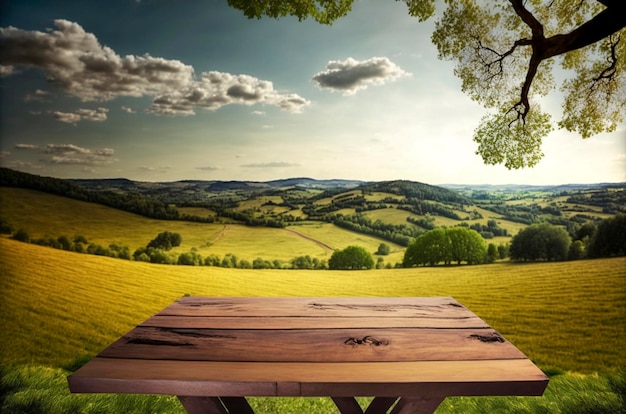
[(58, 305), (43, 214)]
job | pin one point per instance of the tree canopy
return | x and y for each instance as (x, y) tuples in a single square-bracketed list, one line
[(505, 53), (351, 258), (447, 245), (541, 241)]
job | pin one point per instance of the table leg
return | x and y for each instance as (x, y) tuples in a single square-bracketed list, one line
[(380, 405), (347, 405), (418, 405), (215, 405), (237, 405), (202, 405)]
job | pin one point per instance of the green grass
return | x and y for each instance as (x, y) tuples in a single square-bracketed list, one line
[(43, 214), (59, 308), (43, 390), (568, 315)]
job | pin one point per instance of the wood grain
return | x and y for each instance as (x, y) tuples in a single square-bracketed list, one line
[(211, 351), (312, 345)]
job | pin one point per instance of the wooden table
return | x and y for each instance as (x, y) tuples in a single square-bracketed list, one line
[(409, 353)]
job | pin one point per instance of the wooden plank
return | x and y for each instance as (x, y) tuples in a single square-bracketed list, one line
[(497, 377), (300, 322), (326, 307), (312, 345)]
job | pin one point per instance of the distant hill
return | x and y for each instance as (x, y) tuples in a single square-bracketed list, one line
[(396, 211), (526, 187)]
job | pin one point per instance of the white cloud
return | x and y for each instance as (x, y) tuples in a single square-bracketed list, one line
[(94, 115), (68, 118), (75, 60), (275, 164), (216, 89), (70, 154), (37, 96), (157, 169), (128, 110), (351, 75), (209, 168), (4, 154), (26, 146), (6, 70)]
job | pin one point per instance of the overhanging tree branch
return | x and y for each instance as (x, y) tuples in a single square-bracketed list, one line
[(603, 25)]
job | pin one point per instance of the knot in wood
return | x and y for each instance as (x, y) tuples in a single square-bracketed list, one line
[(492, 337), (366, 340)]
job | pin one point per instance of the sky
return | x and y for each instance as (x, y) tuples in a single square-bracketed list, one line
[(158, 90)]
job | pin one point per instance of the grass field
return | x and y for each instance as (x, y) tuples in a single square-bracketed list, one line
[(59, 308), (43, 214)]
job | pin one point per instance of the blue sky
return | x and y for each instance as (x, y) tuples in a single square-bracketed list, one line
[(157, 90)]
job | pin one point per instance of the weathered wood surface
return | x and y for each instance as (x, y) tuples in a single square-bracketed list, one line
[(312, 345), (422, 349)]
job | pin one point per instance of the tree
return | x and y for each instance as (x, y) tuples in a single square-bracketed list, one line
[(466, 245), (576, 250), (540, 242), (492, 253), (458, 244), (21, 235), (165, 240), (383, 249), (65, 243), (5, 227), (609, 238), (351, 258), (504, 54)]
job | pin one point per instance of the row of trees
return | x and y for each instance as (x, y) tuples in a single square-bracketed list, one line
[(547, 242), (78, 244)]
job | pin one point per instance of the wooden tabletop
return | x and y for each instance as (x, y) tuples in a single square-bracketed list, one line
[(421, 348)]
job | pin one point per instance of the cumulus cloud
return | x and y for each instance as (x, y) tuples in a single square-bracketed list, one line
[(75, 60), (70, 154), (216, 89), (6, 70), (156, 169), (93, 115), (37, 96), (128, 110), (351, 75), (276, 164)]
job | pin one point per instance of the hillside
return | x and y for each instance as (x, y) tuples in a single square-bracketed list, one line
[(392, 211), (46, 215)]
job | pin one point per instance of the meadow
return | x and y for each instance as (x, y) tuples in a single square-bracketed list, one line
[(42, 214), (60, 308)]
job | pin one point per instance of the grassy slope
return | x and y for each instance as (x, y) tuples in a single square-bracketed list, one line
[(58, 305), (43, 214)]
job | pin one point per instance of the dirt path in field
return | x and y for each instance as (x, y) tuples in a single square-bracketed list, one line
[(219, 234), (311, 239)]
